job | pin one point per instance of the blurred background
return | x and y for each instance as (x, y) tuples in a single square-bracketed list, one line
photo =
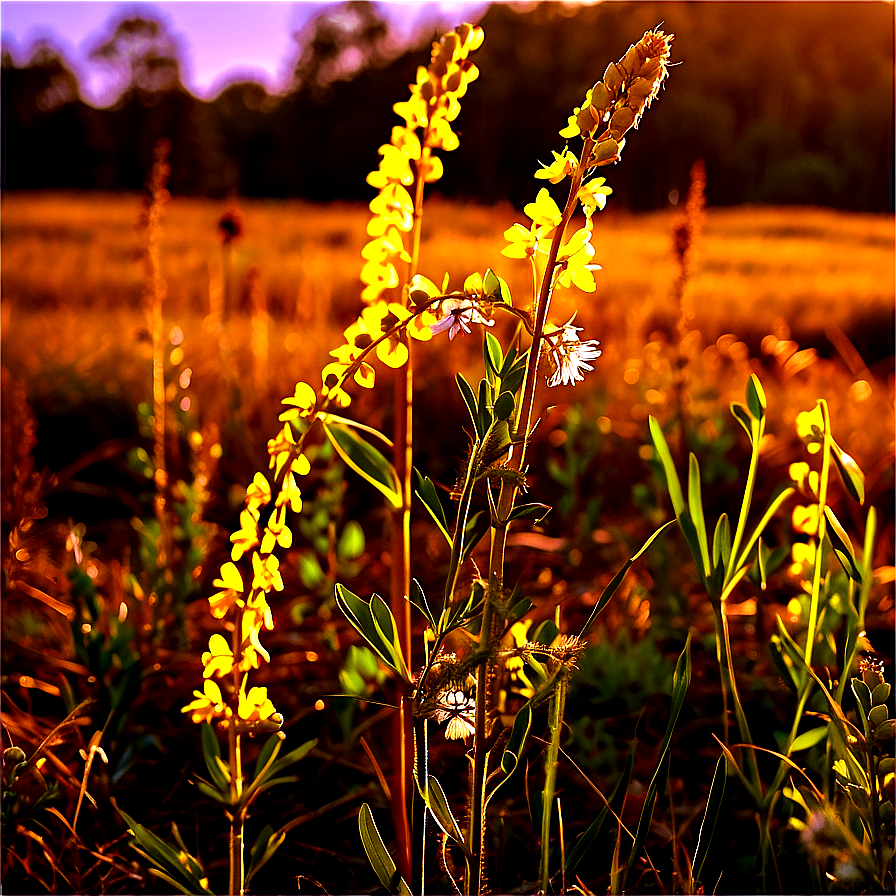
[(786, 103)]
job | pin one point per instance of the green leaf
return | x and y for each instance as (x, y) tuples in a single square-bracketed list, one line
[(721, 542), (426, 492), (351, 542), (673, 484), (842, 545), (485, 413), (378, 856), (491, 287), (536, 512), (741, 413), (477, 525), (211, 753), (443, 815), (505, 405), (267, 843), (710, 817), (522, 723), (469, 398), (268, 753), (506, 297), (756, 403), (367, 461), (378, 630), (422, 604), (851, 475), (492, 354), (809, 739), (616, 581), (695, 506)]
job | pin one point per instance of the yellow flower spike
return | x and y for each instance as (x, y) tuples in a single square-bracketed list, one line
[(218, 659), (441, 136), (430, 167), (208, 705), (407, 141), (544, 211), (810, 428), (246, 537), (266, 573), (564, 165), (231, 583), (382, 274), (413, 110), (254, 706), (259, 492)]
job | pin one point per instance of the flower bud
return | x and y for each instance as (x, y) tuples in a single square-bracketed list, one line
[(631, 62), (586, 119), (606, 151), (652, 68), (613, 78), (872, 672), (640, 88), (600, 98), (623, 118), (13, 756)]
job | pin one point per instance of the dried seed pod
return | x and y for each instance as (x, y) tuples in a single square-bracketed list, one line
[(622, 119), (600, 98), (613, 78)]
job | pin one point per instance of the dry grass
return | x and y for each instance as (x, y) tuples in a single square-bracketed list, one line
[(73, 278)]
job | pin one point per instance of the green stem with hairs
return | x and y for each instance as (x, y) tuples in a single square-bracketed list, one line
[(556, 708)]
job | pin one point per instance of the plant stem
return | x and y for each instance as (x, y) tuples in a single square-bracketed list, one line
[(555, 726), (237, 878)]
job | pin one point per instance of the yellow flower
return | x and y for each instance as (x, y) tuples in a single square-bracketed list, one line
[(805, 519), (218, 659), (392, 207), (544, 211), (208, 705), (564, 165), (254, 706), (576, 255), (333, 376), (252, 651), (276, 532), (395, 167), (246, 537), (302, 402), (266, 573), (593, 195), (810, 428), (290, 493), (259, 492), (523, 243), (232, 584)]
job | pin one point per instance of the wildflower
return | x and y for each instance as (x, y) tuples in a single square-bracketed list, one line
[(457, 708), (254, 706), (593, 196), (562, 166), (568, 356), (208, 705), (544, 211), (456, 314), (231, 583), (246, 537), (218, 659), (575, 256), (522, 242)]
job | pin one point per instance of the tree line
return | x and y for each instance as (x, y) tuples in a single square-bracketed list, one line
[(786, 103)]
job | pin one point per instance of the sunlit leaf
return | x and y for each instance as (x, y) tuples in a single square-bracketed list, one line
[(382, 863)]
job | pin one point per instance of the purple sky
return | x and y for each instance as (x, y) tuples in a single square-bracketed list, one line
[(217, 39)]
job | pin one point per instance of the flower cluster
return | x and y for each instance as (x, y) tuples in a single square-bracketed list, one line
[(407, 163), (619, 100)]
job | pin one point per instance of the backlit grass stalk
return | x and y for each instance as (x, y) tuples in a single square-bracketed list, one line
[(154, 302)]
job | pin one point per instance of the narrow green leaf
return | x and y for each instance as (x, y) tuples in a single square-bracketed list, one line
[(477, 525), (673, 483), (378, 856), (485, 413), (851, 475), (522, 723), (842, 545), (426, 492), (421, 603), (213, 792), (491, 351), (741, 413), (721, 542), (293, 756), (509, 360), (268, 753), (469, 398), (385, 623), (491, 286), (506, 297), (809, 739), (360, 615), (710, 816), (616, 581), (695, 506), (536, 512), (211, 753), (267, 843), (756, 403), (443, 815), (367, 461)]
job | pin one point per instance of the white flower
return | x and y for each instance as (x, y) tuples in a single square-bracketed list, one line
[(457, 708), (457, 313), (568, 356)]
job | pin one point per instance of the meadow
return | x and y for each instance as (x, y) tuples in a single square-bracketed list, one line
[(147, 345)]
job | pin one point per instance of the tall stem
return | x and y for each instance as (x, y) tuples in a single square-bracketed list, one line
[(237, 878), (555, 726)]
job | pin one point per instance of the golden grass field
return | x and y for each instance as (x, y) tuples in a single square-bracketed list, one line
[(74, 275)]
